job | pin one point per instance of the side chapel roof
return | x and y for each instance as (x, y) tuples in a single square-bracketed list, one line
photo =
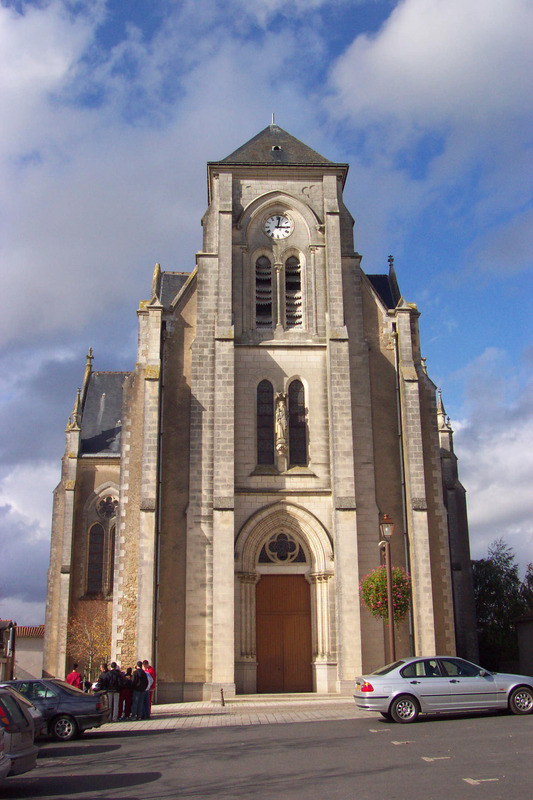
[(101, 423), (171, 283)]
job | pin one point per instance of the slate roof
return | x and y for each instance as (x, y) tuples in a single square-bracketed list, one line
[(274, 146), (102, 412), (387, 289), (171, 283)]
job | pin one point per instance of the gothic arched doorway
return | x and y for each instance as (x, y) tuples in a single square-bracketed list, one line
[(283, 603)]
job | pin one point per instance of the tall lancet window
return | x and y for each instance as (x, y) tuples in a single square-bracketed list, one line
[(293, 293), (297, 426), (95, 560), (263, 293), (265, 423)]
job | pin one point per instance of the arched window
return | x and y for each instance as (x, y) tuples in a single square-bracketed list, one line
[(111, 559), (95, 560), (263, 293), (265, 423), (297, 428), (293, 293), (101, 545)]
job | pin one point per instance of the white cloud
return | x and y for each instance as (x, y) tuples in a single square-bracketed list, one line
[(27, 494), (440, 61), (494, 443)]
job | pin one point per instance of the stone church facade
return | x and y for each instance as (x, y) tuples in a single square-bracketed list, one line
[(222, 501)]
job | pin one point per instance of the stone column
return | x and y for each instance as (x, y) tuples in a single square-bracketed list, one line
[(246, 648), (341, 453), (58, 596), (150, 352), (324, 667), (417, 508), (223, 655)]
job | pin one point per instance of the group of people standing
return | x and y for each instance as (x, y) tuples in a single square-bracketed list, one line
[(129, 693)]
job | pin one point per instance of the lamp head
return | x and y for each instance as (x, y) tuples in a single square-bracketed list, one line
[(386, 527)]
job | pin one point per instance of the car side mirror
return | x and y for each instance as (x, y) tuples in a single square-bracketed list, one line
[(483, 673)]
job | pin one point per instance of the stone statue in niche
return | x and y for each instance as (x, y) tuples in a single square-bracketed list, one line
[(282, 423)]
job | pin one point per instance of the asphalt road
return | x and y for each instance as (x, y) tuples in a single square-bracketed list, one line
[(483, 757)]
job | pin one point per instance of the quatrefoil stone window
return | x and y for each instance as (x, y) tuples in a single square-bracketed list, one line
[(282, 549), (107, 507)]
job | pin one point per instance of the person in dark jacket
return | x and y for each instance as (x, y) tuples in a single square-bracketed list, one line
[(124, 703), (113, 692), (110, 681), (139, 682)]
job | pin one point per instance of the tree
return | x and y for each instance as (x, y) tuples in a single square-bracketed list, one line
[(89, 636), (500, 599), (527, 587)]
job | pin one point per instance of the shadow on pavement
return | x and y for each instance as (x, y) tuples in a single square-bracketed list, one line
[(61, 751), (72, 785)]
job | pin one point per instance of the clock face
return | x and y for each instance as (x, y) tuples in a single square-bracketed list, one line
[(279, 226)]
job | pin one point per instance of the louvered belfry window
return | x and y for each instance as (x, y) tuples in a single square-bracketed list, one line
[(293, 293), (263, 293), (95, 561), (265, 423), (297, 426)]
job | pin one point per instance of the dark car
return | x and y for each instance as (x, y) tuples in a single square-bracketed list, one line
[(39, 722), (67, 711), (18, 734)]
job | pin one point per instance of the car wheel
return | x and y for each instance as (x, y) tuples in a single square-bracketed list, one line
[(386, 715), (521, 700), (404, 708), (63, 728)]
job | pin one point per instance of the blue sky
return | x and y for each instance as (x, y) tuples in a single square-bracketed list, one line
[(111, 111)]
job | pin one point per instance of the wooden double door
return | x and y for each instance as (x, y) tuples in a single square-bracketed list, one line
[(283, 634)]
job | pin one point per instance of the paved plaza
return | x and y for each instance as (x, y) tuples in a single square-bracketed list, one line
[(246, 710)]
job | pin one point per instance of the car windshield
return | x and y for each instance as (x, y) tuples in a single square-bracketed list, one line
[(20, 697), (388, 668)]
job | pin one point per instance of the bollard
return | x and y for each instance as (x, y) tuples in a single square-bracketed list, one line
[(222, 701)]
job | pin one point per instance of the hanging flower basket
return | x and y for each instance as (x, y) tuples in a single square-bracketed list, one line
[(373, 591)]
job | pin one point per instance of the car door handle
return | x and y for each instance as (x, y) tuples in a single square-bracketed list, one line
[(454, 681), (414, 681)]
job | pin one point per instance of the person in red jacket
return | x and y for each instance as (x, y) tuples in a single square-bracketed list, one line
[(74, 677), (151, 671)]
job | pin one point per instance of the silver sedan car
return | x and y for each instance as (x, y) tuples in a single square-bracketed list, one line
[(440, 684)]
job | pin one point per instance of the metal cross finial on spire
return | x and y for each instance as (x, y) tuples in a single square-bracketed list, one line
[(391, 262), (273, 119)]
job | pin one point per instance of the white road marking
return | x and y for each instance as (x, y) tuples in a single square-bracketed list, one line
[(435, 758), (474, 782), (402, 742), (382, 730)]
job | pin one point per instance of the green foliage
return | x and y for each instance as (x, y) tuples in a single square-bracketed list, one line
[(500, 597), (373, 591), (527, 587)]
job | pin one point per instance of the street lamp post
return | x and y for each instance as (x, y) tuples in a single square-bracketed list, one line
[(386, 527)]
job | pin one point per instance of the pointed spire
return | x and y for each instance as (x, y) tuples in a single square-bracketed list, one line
[(86, 377), (393, 281), (75, 418), (156, 282), (443, 424)]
